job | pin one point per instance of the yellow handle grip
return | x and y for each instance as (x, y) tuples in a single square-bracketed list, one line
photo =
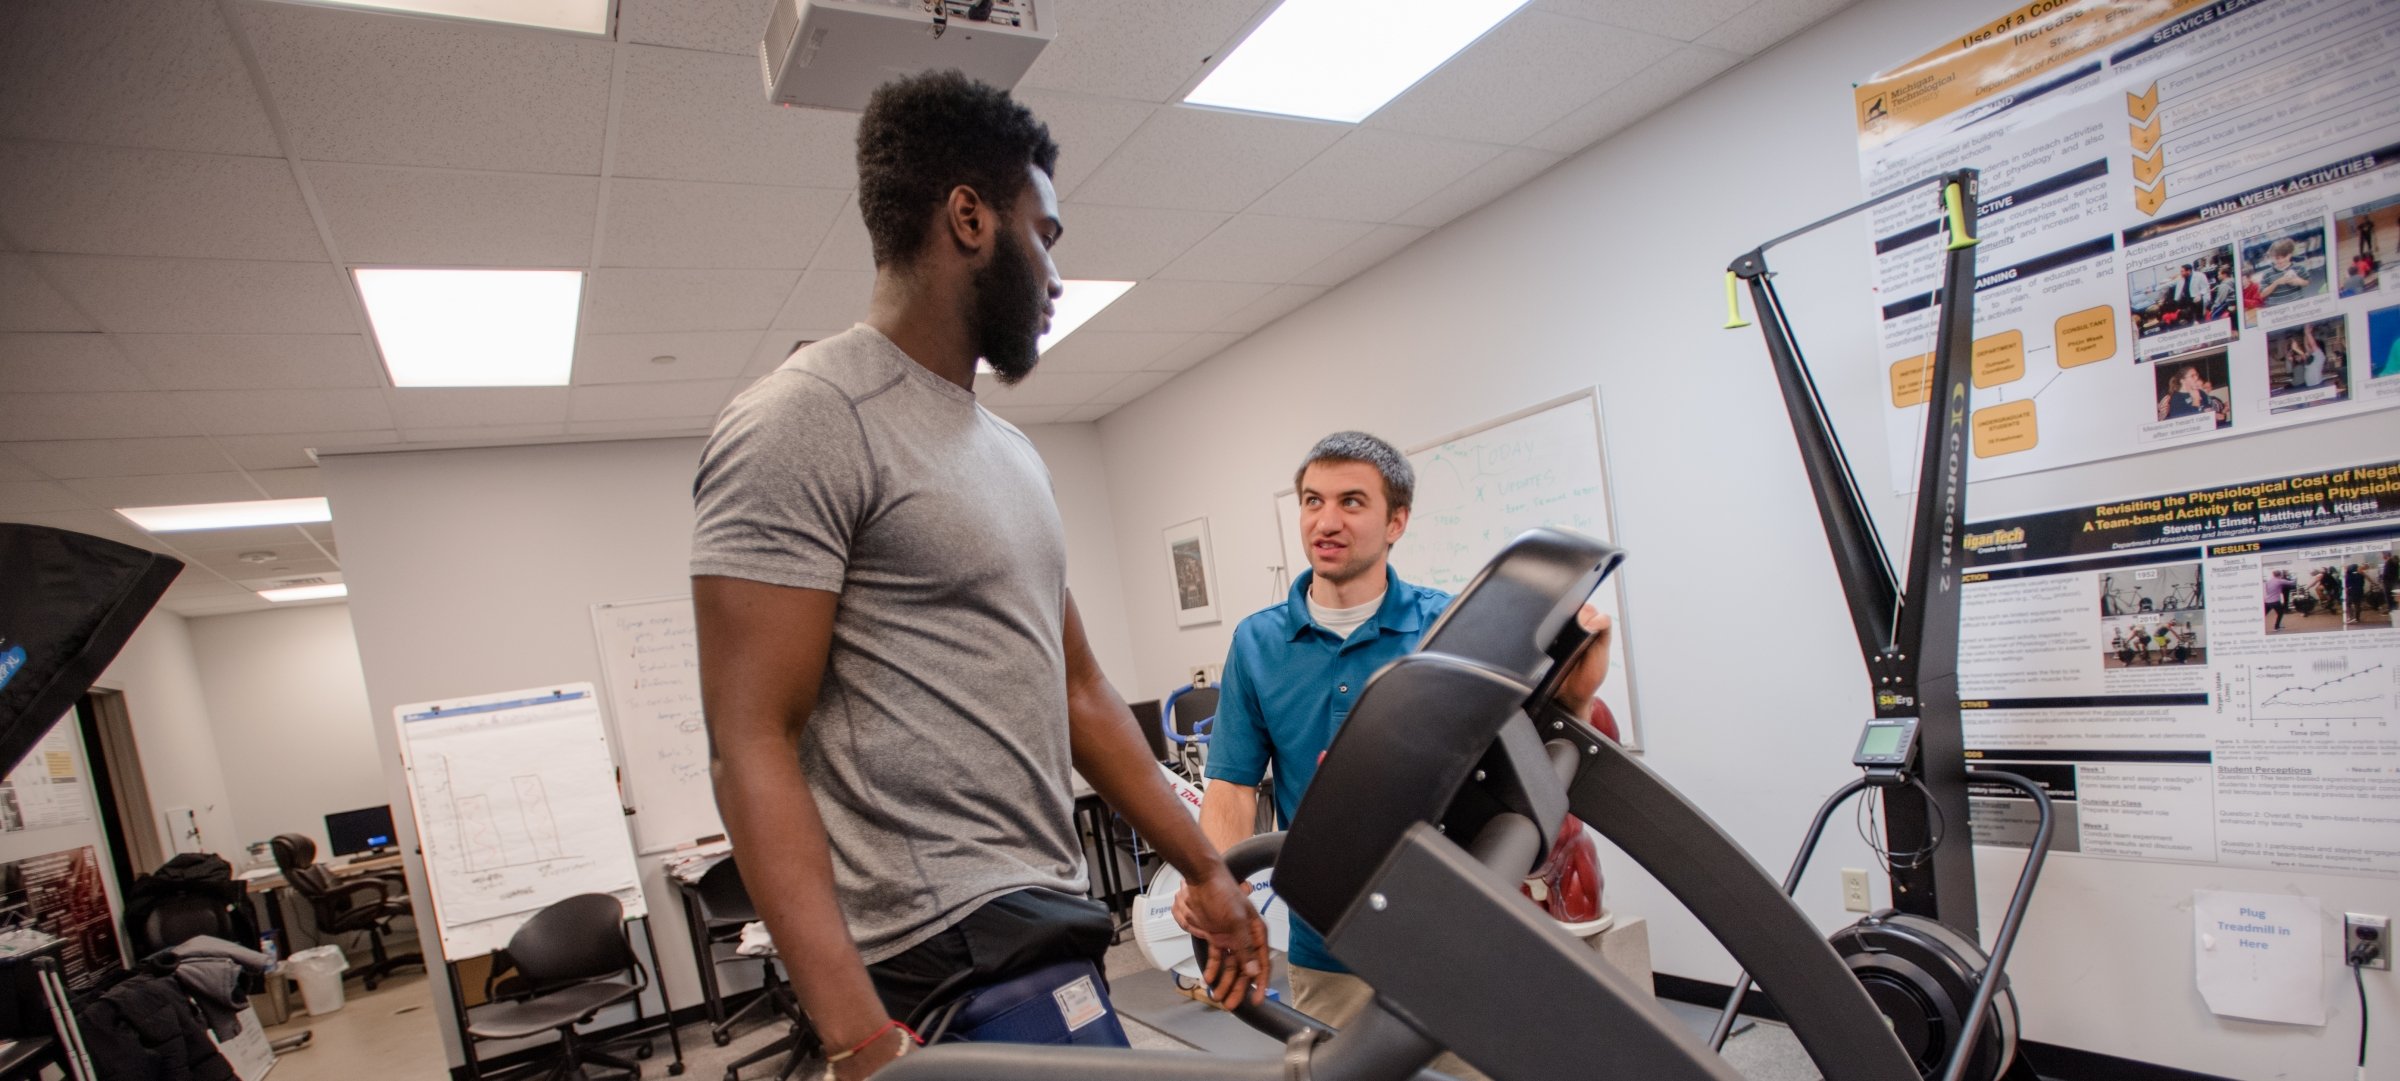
[(1955, 200), (1733, 304)]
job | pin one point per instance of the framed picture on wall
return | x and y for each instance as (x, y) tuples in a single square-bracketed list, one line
[(1192, 569)]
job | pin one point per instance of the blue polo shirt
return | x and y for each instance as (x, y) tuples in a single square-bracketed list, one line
[(1289, 683)]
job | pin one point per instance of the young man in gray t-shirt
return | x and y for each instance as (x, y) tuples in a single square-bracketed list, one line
[(896, 682)]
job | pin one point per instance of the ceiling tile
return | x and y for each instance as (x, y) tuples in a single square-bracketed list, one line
[(627, 301), (159, 73), (635, 401), (289, 450), (1381, 243), (658, 223), (438, 217), (168, 489), (827, 298), (717, 26), (291, 483), (298, 558), (1141, 49), (29, 303), (1026, 416), (321, 532), (1656, 87), (1683, 20), (1522, 77), (1769, 21), (1097, 351), (846, 247), (1200, 347), (275, 537), (702, 116), (109, 415), (98, 523), (487, 433), (1202, 159), (13, 468), (1134, 386), (267, 412), (39, 496), (1087, 130), (208, 296), (263, 576), (193, 587), (644, 426), (65, 362), (252, 361), (1172, 305), (699, 354), (361, 86), (1123, 243), (122, 457), (1259, 248), (1044, 388), (1087, 412), (1497, 177), (779, 345), (115, 201), (469, 407), (1373, 175), (1267, 309)]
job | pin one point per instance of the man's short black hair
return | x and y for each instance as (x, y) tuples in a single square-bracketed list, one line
[(926, 134), (1399, 479)]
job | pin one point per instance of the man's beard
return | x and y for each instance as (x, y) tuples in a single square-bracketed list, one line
[(1008, 311)]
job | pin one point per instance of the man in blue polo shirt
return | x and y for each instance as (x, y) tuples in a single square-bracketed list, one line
[(1296, 668)]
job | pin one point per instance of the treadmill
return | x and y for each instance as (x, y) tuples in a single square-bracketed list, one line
[(1442, 790)]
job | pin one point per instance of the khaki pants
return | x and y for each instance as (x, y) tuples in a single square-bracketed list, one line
[(1337, 998)]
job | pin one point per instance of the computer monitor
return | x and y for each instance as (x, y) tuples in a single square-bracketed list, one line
[(1145, 714), (367, 829)]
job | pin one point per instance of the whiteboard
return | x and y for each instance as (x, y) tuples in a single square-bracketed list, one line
[(515, 799), (1479, 489), (650, 662)]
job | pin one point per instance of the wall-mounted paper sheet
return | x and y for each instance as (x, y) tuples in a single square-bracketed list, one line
[(2259, 955)]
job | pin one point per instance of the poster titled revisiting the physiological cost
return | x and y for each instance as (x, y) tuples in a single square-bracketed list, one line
[(2208, 676), (2185, 213)]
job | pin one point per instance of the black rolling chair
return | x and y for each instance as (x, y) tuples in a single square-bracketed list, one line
[(724, 908), (576, 960), (367, 904)]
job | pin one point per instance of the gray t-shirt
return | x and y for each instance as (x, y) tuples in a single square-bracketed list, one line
[(938, 748)]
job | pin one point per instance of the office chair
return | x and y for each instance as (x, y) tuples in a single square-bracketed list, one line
[(361, 904), (576, 955), (725, 908)]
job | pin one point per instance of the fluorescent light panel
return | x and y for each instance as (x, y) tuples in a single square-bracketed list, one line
[(580, 16), (1341, 60), (473, 328), (1080, 301), (306, 593), (186, 517)]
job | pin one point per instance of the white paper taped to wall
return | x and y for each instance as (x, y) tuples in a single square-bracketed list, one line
[(2259, 956)]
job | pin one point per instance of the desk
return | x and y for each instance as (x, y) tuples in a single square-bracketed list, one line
[(269, 887)]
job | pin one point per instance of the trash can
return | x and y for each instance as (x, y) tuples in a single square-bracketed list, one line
[(319, 972)]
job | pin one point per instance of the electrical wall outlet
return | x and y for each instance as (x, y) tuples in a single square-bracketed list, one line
[(2358, 927), (1204, 675), (1854, 890)]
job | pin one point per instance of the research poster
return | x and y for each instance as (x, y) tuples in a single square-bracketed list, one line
[(2208, 676), (2185, 209)]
